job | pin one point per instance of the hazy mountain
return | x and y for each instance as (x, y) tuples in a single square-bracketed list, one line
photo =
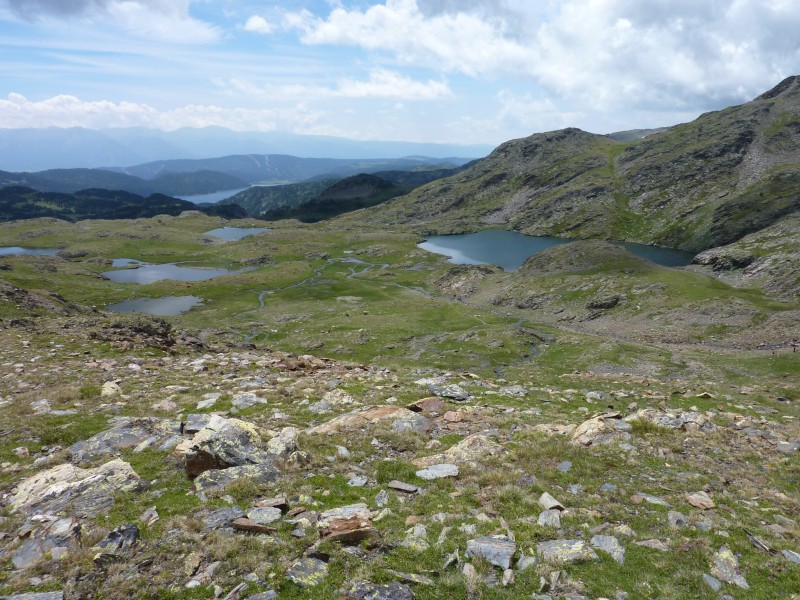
[(692, 186), (50, 148)]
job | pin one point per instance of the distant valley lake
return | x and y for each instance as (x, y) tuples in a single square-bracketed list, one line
[(144, 273), (509, 249), (235, 233), (168, 306), (12, 250)]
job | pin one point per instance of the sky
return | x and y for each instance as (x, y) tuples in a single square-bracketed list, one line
[(454, 71)]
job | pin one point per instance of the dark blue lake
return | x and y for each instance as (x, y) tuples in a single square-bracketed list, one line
[(509, 249)]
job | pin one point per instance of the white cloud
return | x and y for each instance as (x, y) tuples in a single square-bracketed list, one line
[(162, 20), (381, 83), (610, 54), (68, 111), (258, 24)]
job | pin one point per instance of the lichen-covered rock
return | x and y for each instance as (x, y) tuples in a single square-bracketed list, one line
[(611, 545), (307, 572), (451, 391), (218, 479), (499, 551), (685, 420), (439, 471), (362, 418), (604, 428), (221, 444), (146, 433), (472, 448), (561, 552), (78, 492), (725, 567), (372, 591)]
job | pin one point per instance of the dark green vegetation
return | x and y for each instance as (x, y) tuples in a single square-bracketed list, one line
[(27, 203)]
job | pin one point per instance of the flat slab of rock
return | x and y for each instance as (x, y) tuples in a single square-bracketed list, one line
[(346, 524), (452, 391), (250, 526), (547, 502), (427, 405), (562, 552), (264, 515), (36, 596), (653, 545), (549, 518), (373, 591), (472, 448), (85, 492), (362, 418), (218, 479), (439, 471), (246, 400), (610, 545), (685, 420), (129, 433), (604, 428), (725, 567), (403, 487), (700, 500), (638, 498), (497, 551), (307, 572)]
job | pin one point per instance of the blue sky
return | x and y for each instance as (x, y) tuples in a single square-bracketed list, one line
[(456, 71)]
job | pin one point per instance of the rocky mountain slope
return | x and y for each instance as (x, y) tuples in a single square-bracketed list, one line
[(693, 186)]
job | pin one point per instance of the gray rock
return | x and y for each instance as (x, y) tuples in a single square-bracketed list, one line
[(791, 556), (564, 466), (31, 552), (246, 400), (264, 516), (452, 391), (357, 481), (714, 583), (725, 567), (195, 422), (608, 487), (382, 498), (547, 502), (222, 517), (372, 591), (403, 487), (526, 562), (677, 519), (144, 433), (609, 544), (121, 539), (438, 472), (268, 595), (498, 551), (416, 423), (560, 552), (787, 447), (654, 545), (550, 518), (36, 596), (321, 407), (650, 499), (212, 481), (416, 539), (515, 391), (307, 572)]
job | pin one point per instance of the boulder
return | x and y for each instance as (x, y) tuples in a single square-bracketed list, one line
[(361, 418), (561, 552), (439, 471), (604, 428), (70, 489), (307, 572), (129, 433), (685, 420), (215, 480), (373, 591), (347, 524), (725, 567), (472, 448), (498, 551)]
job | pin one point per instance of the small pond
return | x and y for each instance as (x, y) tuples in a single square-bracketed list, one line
[(509, 249), (235, 233), (144, 273), (168, 306), (9, 250)]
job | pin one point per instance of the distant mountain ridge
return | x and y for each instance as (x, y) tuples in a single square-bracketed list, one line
[(76, 147), (692, 186)]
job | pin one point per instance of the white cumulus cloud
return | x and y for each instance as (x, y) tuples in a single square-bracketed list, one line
[(258, 24)]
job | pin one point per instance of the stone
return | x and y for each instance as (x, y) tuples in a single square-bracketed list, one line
[(508, 578), (677, 519), (700, 500), (439, 471), (264, 515), (513, 391), (412, 577), (547, 502), (712, 582), (219, 479), (472, 448), (31, 552), (564, 466), (791, 556), (110, 389), (307, 572), (360, 419), (150, 516), (416, 539), (246, 400), (121, 539), (382, 498), (222, 517), (561, 552), (498, 551), (250, 526), (725, 567), (610, 545), (526, 562), (452, 391), (347, 524), (608, 487), (338, 398), (654, 545), (550, 518), (605, 428), (36, 596), (650, 499), (674, 419), (416, 423), (372, 591), (406, 488), (221, 444), (195, 422), (85, 492), (427, 405), (283, 444), (357, 481), (267, 595), (145, 433)]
